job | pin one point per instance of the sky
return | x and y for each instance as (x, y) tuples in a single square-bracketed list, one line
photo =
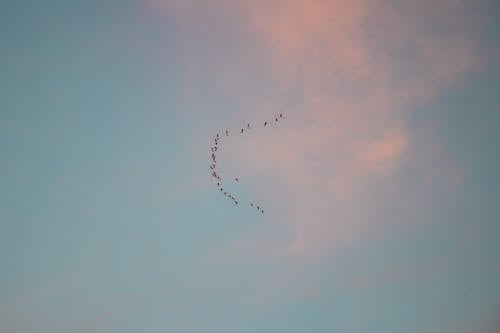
[(379, 185)]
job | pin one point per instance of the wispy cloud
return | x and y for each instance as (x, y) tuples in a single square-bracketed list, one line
[(347, 75)]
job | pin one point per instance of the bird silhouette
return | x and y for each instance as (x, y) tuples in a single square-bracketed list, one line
[(213, 157)]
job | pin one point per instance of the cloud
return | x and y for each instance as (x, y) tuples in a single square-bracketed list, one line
[(347, 75)]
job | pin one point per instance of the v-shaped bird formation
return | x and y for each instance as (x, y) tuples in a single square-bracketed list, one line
[(213, 159)]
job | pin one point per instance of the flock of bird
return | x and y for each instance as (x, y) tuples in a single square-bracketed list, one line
[(213, 161)]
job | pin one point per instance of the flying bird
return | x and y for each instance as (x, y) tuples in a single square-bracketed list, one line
[(214, 149)]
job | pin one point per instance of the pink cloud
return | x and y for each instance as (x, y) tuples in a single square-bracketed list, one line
[(348, 75)]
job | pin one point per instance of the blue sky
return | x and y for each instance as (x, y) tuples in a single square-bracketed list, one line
[(380, 186)]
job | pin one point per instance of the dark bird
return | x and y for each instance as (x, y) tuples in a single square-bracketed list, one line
[(262, 211), (248, 125), (236, 202), (242, 130), (236, 179), (265, 123), (251, 204), (221, 189), (227, 133), (258, 208), (281, 115), (276, 119), (225, 193)]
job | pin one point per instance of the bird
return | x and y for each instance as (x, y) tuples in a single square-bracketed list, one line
[(251, 204), (236, 179), (281, 115), (242, 130), (227, 133), (262, 211), (265, 123), (248, 125), (276, 119), (236, 202)]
